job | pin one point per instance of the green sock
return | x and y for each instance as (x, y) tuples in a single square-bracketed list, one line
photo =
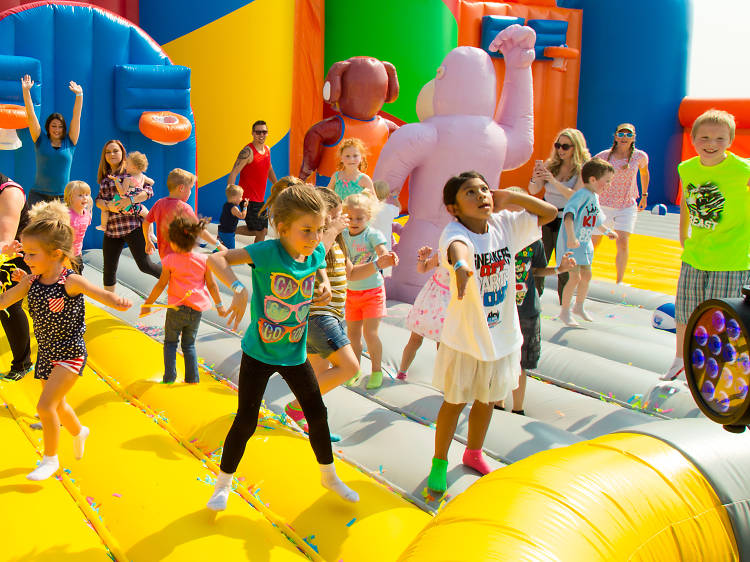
[(438, 480), (376, 380), (354, 380)]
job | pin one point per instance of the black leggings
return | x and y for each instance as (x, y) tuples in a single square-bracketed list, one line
[(16, 325), (550, 232), (112, 248), (254, 377)]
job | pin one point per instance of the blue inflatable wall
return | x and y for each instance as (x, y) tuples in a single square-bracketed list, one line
[(123, 73), (634, 64)]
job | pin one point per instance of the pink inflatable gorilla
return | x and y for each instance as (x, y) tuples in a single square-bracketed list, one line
[(465, 132)]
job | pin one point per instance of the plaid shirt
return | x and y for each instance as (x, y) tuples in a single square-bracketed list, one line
[(120, 225)]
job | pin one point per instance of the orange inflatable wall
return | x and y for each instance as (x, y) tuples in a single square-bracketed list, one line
[(555, 93), (691, 108)]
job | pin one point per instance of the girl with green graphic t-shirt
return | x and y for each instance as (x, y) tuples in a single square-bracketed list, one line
[(283, 281)]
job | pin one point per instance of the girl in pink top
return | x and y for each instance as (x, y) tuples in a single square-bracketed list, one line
[(78, 199), (618, 200), (191, 288)]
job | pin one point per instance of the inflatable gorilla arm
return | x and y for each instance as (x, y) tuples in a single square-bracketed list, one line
[(357, 88), (515, 112)]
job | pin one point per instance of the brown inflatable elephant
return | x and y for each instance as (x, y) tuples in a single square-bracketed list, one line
[(357, 88)]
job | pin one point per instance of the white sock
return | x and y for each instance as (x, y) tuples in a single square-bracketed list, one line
[(47, 468), (223, 487), (330, 480), (79, 441), (566, 318)]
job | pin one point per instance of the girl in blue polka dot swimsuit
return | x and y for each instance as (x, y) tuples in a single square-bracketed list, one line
[(56, 305)]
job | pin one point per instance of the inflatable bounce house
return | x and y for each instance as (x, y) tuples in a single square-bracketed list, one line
[(608, 462)]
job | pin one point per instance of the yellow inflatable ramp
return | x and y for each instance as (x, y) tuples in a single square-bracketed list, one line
[(148, 489), (654, 263), (40, 520), (620, 497), (278, 468)]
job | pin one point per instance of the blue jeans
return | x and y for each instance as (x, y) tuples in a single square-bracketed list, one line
[(183, 321)]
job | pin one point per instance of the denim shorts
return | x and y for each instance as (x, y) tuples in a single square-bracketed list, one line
[(325, 335)]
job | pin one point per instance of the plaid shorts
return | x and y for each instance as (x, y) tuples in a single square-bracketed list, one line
[(696, 286), (531, 328)]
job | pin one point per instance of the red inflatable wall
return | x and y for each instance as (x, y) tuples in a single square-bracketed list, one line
[(125, 8)]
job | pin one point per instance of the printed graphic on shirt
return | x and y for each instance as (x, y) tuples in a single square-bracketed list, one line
[(523, 270), (705, 203), (360, 253), (277, 311), (588, 222), (494, 277)]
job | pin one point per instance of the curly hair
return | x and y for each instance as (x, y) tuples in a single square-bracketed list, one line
[(359, 145)]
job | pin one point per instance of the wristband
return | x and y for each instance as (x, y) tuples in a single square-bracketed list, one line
[(237, 286), (459, 263), (557, 271), (216, 249)]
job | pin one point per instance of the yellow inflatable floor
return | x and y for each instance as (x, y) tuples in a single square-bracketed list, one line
[(148, 472), (654, 263)]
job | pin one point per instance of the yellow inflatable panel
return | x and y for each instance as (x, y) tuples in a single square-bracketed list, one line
[(654, 263), (618, 497), (278, 467), (65, 534), (231, 91), (150, 491)]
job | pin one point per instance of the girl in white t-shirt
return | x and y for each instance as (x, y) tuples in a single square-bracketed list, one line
[(479, 359)]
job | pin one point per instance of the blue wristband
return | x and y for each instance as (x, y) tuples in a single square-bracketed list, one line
[(458, 264), (237, 287)]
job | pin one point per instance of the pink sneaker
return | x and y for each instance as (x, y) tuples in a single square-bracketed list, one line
[(401, 376)]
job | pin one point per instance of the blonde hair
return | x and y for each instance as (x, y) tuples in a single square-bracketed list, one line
[(183, 231), (580, 152), (332, 200), (72, 188), (178, 177), (277, 188), (715, 117), (382, 189), (295, 201), (359, 145), (628, 127), (363, 200), (139, 159), (232, 190), (49, 224)]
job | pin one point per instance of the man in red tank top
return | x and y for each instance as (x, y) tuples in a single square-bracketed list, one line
[(253, 165)]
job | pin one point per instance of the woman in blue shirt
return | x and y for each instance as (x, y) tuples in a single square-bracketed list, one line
[(54, 150)]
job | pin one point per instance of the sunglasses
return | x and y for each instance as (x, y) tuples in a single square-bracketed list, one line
[(260, 132), (563, 145), (279, 311), (272, 333), (284, 286), (622, 134)]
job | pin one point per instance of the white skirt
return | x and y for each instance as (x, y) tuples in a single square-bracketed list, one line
[(463, 378)]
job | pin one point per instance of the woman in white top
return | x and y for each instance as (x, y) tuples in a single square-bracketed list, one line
[(618, 200), (559, 176)]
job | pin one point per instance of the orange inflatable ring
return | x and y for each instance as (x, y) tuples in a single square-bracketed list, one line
[(165, 127), (560, 56), (13, 116)]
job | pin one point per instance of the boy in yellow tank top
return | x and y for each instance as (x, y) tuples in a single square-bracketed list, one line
[(714, 225)]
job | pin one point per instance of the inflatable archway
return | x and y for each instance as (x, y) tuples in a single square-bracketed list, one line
[(124, 73)]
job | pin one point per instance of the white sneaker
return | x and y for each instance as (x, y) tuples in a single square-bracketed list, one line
[(46, 468), (677, 369)]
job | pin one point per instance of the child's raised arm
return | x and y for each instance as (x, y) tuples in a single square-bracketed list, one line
[(239, 211), (426, 261), (76, 284), (220, 265), (459, 256), (567, 263), (15, 293), (545, 211), (158, 289)]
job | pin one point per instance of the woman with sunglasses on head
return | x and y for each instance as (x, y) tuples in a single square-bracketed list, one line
[(283, 278), (618, 201), (560, 177)]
